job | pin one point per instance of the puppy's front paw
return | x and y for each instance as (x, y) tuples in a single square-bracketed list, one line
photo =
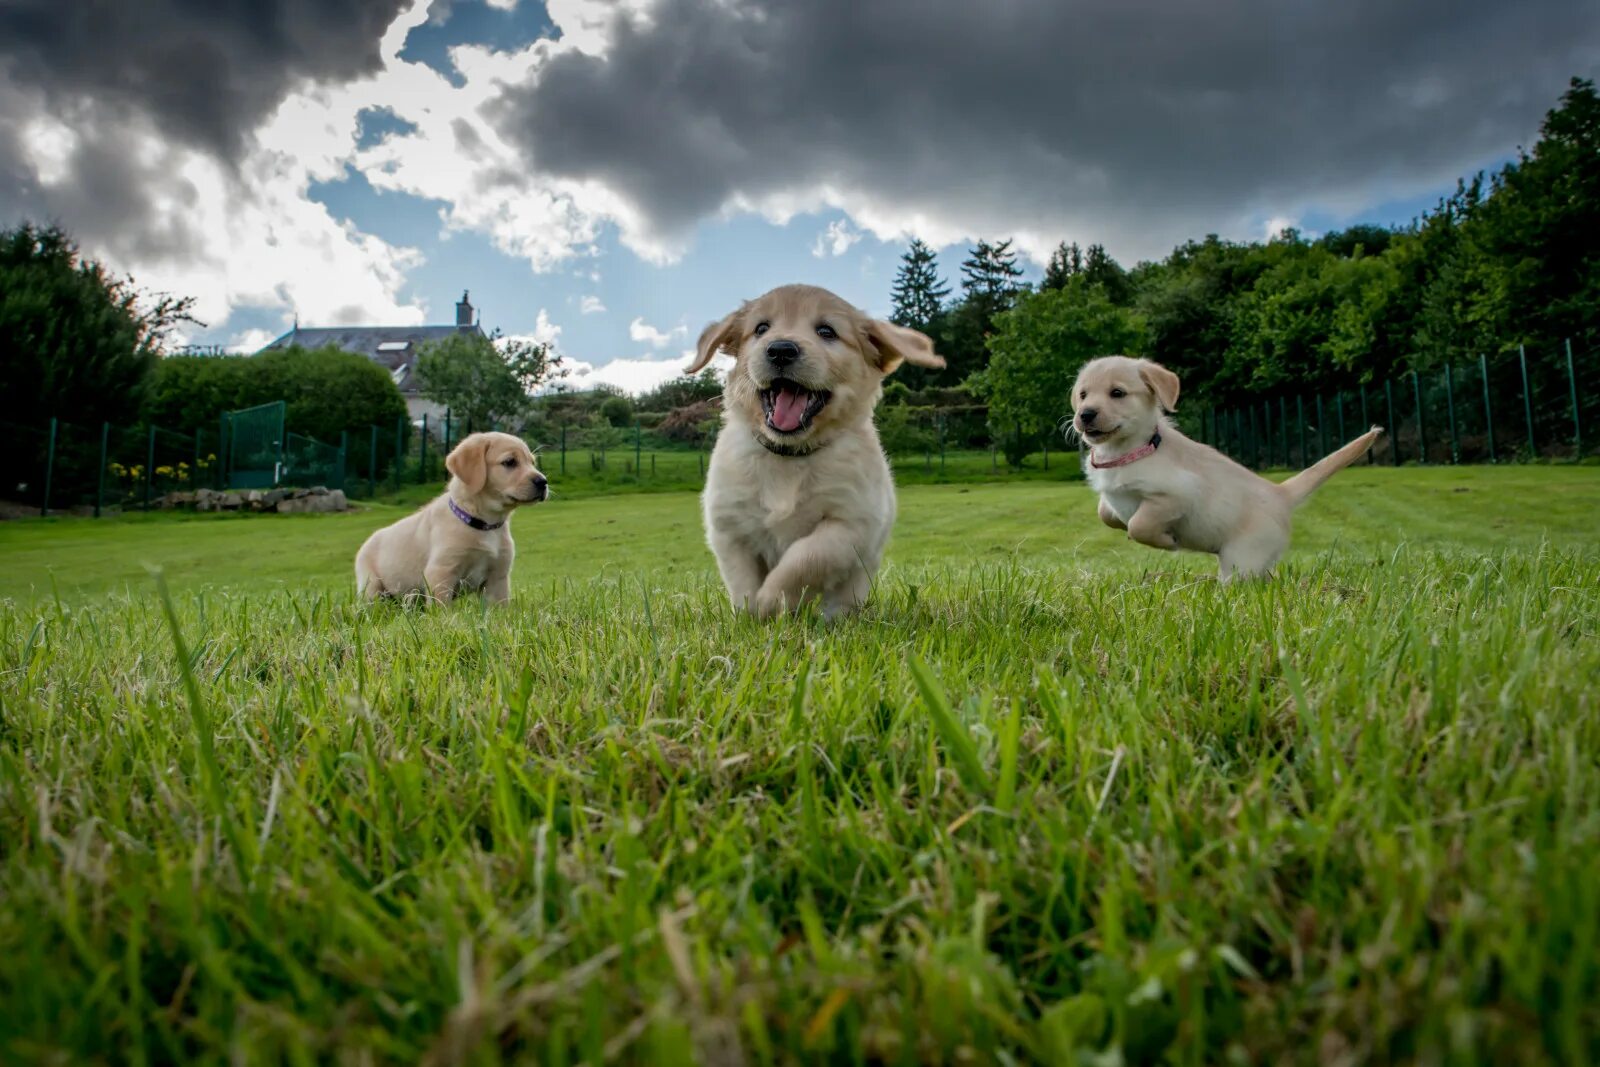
[(769, 604)]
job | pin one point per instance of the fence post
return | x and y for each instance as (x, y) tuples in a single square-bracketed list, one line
[(422, 452), (637, 465), (1577, 425), (372, 461), (100, 479), (149, 464), (1255, 440), (1300, 415), (399, 448), (447, 428), (344, 451), (1362, 392), (1266, 428), (1338, 409), (1283, 426), (941, 445), (563, 449), (49, 468), (701, 456), (1422, 434), (1527, 402), (1322, 427), (194, 472), (1450, 413), (1394, 432), (1488, 413)]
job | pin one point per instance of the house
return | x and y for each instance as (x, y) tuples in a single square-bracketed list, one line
[(394, 348)]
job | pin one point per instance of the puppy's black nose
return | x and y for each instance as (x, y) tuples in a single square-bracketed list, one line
[(541, 486), (783, 353), (1087, 415)]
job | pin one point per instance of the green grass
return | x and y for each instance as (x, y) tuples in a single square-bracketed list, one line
[(1051, 795)]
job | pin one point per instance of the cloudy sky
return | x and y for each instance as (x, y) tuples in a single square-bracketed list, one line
[(612, 174)]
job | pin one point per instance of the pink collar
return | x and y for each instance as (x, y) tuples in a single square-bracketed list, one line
[(1129, 457)]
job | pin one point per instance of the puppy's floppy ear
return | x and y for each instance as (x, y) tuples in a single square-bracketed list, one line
[(718, 337), (469, 461), (893, 345), (1162, 382)]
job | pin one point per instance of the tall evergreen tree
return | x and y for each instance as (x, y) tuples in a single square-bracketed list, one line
[(990, 273), (1065, 262), (1100, 269), (918, 291)]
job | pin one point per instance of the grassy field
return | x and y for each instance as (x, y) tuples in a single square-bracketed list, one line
[(1052, 797)]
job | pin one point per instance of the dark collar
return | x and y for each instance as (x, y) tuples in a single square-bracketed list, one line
[(470, 519), (778, 448), (1128, 457)]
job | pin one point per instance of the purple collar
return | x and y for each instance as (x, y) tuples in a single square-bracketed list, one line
[(470, 519)]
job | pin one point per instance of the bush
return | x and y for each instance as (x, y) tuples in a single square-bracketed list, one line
[(618, 411), (327, 390)]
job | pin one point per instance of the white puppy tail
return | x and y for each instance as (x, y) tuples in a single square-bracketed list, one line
[(1302, 485)]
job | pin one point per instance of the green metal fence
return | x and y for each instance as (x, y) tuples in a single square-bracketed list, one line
[(1514, 407)]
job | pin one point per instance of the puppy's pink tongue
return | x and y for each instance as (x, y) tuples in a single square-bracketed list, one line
[(788, 409)]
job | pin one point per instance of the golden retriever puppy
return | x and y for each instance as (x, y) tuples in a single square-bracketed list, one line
[(798, 499), (1171, 492), (461, 541)]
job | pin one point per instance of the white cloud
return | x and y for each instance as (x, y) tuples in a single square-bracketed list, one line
[(640, 330), (591, 305), (633, 376), (836, 239), (1277, 224), (252, 341)]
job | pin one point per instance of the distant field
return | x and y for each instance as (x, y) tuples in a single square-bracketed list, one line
[(1052, 796)]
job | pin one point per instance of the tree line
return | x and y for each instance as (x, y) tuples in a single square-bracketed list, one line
[(1508, 259)]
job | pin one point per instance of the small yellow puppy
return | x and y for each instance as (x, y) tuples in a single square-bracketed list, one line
[(461, 541), (1171, 492), (798, 499)]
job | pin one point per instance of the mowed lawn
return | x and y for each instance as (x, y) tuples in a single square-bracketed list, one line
[(1367, 512), (1052, 797)]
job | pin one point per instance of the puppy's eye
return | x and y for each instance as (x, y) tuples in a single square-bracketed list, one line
[(1083, 395), (509, 462), (1117, 394), (826, 332), (762, 327)]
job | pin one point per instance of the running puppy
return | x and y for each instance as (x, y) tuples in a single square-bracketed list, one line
[(1170, 492), (461, 541), (798, 500)]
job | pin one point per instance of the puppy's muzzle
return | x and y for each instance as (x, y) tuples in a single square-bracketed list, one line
[(538, 489)]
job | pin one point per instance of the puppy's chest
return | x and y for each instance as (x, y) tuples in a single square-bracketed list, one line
[(772, 513)]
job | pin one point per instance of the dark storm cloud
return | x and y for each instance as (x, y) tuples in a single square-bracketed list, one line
[(205, 71), (1150, 120)]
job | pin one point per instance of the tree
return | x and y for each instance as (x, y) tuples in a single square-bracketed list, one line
[(1039, 345), (918, 292), (482, 378), (1536, 257), (989, 275), (1100, 269), (681, 392), (77, 342), (1065, 261)]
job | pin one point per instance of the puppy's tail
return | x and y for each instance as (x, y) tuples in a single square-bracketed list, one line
[(1302, 485)]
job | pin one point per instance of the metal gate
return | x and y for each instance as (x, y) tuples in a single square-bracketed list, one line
[(253, 442)]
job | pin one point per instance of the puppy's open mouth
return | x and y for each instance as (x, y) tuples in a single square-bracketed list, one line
[(1096, 433), (790, 406)]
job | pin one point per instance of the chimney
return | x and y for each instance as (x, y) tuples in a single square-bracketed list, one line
[(464, 312)]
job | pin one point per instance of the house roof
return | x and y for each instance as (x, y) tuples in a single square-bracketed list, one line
[(392, 347)]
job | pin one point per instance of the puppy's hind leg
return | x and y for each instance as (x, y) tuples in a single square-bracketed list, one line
[(1252, 553)]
